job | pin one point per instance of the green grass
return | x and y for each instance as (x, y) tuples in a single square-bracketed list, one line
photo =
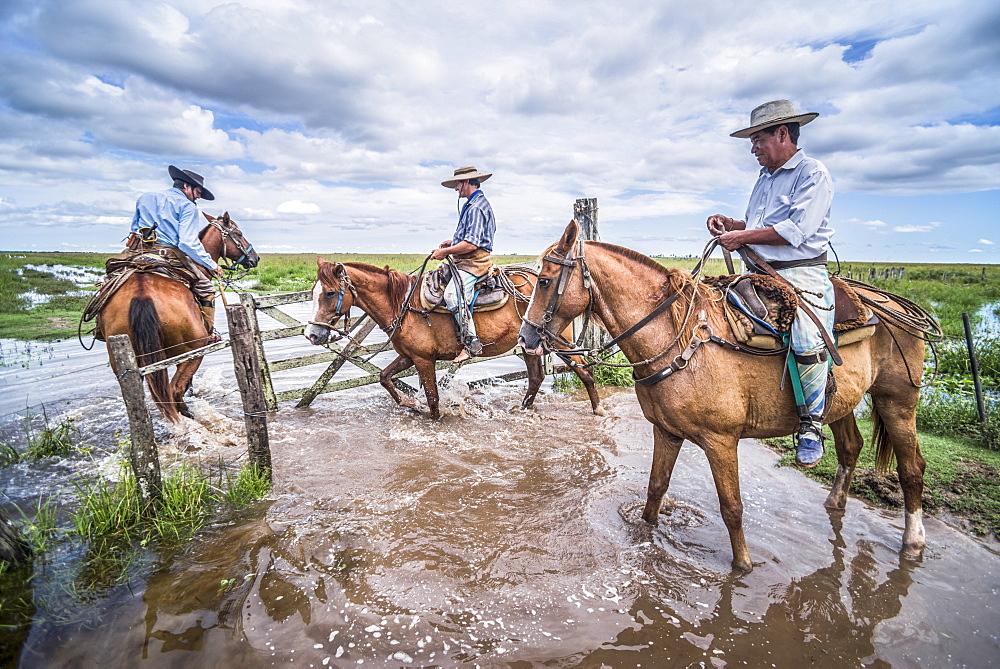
[(962, 477)]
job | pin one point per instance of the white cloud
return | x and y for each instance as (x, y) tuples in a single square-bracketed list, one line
[(349, 120), (985, 241), (916, 228), (975, 250), (298, 207)]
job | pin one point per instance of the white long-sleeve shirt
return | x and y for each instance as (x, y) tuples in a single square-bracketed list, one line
[(795, 200)]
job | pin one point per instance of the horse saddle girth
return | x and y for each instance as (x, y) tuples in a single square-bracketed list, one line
[(761, 309), (490, 294)]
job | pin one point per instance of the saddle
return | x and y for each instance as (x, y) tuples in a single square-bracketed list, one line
[(139, 257), (490, 293), (760, 309)]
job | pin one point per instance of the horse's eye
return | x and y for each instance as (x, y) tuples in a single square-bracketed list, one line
[(544, 283), (331, 294)]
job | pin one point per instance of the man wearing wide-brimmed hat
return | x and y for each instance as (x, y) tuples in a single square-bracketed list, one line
[(169, 218), (788, 225), (470, 249)]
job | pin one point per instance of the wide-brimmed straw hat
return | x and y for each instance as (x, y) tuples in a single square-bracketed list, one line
[(191, 178), (465, 174), (771, 113)]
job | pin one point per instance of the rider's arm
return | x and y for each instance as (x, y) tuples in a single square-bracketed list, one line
[(188, 242), (455, 249)]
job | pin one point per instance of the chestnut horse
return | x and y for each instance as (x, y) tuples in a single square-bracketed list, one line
[(163, 320), (717, 395), (381, 294)]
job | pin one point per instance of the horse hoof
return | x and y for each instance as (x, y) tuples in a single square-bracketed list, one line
[(599, 411)]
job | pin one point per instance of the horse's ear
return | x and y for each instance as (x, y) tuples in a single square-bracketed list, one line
[(225, 217), (568, 237), (320, 261), (209, 218)]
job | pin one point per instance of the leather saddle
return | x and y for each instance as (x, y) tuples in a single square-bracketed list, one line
[(490, 294), (760, 310)]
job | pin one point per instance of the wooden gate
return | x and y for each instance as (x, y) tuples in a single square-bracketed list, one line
[(354, 351)]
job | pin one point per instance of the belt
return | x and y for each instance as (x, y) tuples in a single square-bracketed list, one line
[(786, 264)]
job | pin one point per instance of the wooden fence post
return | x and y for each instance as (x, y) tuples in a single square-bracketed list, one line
[(145, 460), (248, 376), (585, 213)]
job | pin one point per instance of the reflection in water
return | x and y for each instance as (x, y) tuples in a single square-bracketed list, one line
[(505, 538)]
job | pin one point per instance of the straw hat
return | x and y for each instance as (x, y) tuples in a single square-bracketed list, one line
[(466, 174), (771, 113), (191, 178)]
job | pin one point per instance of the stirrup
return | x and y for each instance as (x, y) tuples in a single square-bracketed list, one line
[(809, 445)]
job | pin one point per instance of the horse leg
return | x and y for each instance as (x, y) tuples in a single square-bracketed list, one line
[(896, 418), (665, 449), (724, 461), (385, 378), (848, 442), (181, 382), (428, 379), (536, 374), (587, 378)]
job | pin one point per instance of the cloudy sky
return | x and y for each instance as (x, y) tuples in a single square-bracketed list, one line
[(327, 126)]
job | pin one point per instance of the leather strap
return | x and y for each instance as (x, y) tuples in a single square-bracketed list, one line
[(751, 256)]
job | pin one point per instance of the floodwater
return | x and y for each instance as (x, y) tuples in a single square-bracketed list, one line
[(496, 538)]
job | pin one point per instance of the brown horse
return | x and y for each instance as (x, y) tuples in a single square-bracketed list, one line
[(380, 293), (716, 395), (163, 320)]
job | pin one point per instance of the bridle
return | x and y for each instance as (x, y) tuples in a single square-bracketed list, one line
[(227, 236), (567, 266), (344, 279), (700, 334)]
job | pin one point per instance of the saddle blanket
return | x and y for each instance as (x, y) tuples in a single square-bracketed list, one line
[(490, 293), (760, 309)]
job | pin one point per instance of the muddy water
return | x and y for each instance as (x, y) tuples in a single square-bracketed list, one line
[(496, 537)]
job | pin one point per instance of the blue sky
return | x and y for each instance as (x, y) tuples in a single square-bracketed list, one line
[(328, 126)]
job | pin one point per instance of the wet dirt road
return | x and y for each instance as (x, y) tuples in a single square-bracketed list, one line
[(506, 538)]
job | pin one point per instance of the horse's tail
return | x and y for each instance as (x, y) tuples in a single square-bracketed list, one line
[(147, 338), (882, 442)]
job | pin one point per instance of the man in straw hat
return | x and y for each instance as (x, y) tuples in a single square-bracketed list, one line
[(169, 218), (788, 225), (469, 249)]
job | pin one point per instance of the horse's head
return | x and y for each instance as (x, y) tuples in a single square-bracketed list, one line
[(233, 246), (333, 297), (561, 294)]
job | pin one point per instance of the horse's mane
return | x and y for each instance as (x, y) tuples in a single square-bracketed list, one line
[(674, 280), (397, 283)]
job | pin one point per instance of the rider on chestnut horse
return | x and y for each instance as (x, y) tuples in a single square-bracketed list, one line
[(788, 225), (167, 223), (469, 249)]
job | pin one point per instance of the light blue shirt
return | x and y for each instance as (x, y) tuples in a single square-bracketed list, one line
[(795, 200), (176, 221)]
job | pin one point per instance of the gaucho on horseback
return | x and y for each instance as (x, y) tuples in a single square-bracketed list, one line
[(787, 225), (468, 251), (167, 223)]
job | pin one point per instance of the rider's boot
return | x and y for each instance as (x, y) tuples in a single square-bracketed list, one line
[(471, 346), (813, 369), (208, 315)]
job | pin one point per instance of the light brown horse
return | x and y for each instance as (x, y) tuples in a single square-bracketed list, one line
[(381, 292), (163, 320), (718, 395)]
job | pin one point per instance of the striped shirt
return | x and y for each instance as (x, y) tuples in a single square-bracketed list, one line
[(476, 224)]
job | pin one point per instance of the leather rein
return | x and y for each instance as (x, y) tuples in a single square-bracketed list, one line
[(228, 236), (575, 257)]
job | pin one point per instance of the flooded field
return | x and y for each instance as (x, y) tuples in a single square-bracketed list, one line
[(493, 537)]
